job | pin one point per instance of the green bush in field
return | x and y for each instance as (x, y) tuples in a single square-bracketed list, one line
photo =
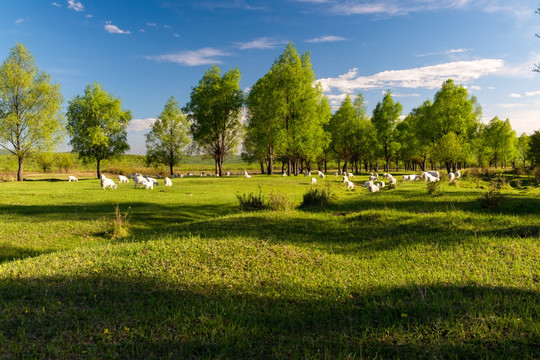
[(435, 188), (252, 202), (492, 199), (317, 196)]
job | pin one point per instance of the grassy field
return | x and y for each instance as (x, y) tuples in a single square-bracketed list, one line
[(394, 274)]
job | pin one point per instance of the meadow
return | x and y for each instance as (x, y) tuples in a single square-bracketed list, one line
[(181, 272)]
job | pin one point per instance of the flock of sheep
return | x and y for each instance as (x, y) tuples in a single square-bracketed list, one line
[(373, 184)]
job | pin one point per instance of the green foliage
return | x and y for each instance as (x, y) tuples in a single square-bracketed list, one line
[(492, 199), (252, 202), (30, 119), (344, 128), (168, 138), (63, 162), (120, 222), (317, 196), (215, 109), (97, 125), (45, 161), (435, 188), (500, 139), (279, 202), (385, 117), (534, 148)]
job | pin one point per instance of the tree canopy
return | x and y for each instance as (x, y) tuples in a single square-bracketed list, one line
[(97, 125), (385, 118), (168, 138), (30, 118), (215, 109)]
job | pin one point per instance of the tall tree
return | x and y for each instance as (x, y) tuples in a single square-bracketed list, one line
[(97, 125), (166, 142), (534, 148), (344, 127), (522, 148), (30, 119), (500, 139), (385, 118), (215, 109)]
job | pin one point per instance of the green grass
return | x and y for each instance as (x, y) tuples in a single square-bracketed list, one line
[(393, 274)]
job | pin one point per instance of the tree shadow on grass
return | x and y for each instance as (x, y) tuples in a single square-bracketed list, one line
[(10, 252), (99, 316)]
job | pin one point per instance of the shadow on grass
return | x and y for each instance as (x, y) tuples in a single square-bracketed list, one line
[(10, 252), (142, 318)]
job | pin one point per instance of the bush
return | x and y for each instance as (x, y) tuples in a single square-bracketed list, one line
[(492, 199), (317, 196), (252, 202), (279, 202), (434, 188), (120, 223)]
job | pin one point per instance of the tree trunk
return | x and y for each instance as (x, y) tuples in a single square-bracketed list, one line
[(345, 167), (20, 171), (99, 168), (270, 165), (326, 170), (172, 170), (262, 167)]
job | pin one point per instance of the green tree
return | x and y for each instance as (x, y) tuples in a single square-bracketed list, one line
[(168, 138), (63, 161), (215, 109), (385, 118), (45, 161), (97, 125), (522, 148), (534, 148), (30, 119), (500, 139), (344, 127)]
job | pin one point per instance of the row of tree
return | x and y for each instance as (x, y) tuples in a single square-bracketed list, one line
[(285, 117)]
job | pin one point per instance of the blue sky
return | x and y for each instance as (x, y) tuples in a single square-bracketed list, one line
[(145, 51)]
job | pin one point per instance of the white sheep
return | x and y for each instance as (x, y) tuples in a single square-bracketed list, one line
[(373, 188), (367, 184), (381, 184), (139, 180), (373, 177), (451, 177), (167, 182), (406, 177), (313, 181), (345, 178), (284, 173), (458, 174), (393, 182), (247, 176), (72, 178), (351, 175), (321, 174), (152, 180), (434, 174), (122, 179), (148, 185), (350, 185), (430, 178), (108, 183)]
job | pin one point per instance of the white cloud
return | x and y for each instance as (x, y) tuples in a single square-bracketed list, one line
[(56, 4), (89, 16), (75, 5), (400, 95), (167, 26), (532, 93), (446, 52), (523, 117), (204, 56), (388, 7), (474, 87), (113, 29), (18, 21), (326, 38), (141, 124), (176, 35), (151, 24), (429, 77), (260, 43), (142, 30), (514, 95)]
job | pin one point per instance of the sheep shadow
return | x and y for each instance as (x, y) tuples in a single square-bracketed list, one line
[(100, 316)]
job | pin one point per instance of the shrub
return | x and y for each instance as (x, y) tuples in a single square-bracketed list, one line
[(121, 222), (317, 196), (64, 162), (252, 202), (492, 199), (434, 188), (279, 202)]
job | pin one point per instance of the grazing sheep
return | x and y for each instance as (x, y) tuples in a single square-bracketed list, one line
[(139, 180), (351, 175), (152, 180), (122, 179), (108, 183), (148, 185), (367, 184), (167, 182), (434, 174), (321, 174), (345, 178), (406, 177), (458, 174), (284, 173), (451, 177), (247, 175), (373, 188), (393, 182), (373, 177), (386, 176), (430, 178), (350, 185), (381, 184), (72, 178), (313, 181)]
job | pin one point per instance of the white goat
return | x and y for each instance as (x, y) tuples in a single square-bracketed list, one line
[(167, 182), (351, 175), (284, 173), (393, 182), (313, 181), (247, 176), (108, 183), (381, 184), (72, 178), (152, 180), (321, 174), (139, 180), (350, 185), (451, 177), (367, 184), (373, 188), (458, 174), (345, 178), (122, 179)]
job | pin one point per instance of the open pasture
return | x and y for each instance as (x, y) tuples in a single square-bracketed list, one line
[(393, 274)]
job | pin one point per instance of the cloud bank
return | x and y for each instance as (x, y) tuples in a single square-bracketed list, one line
[(204, 56)]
